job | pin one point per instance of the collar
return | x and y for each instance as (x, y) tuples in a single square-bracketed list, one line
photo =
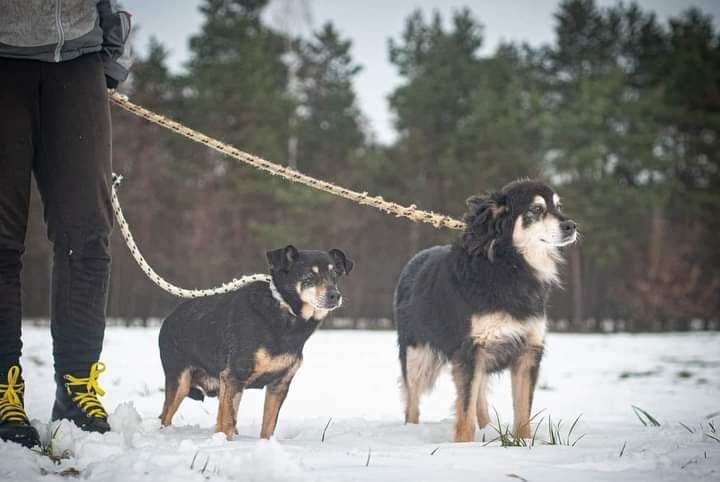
[(278, 297)]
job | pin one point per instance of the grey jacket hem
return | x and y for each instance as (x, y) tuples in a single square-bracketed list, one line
[(108, 36)]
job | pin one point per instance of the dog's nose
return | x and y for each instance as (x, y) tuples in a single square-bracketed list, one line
[(333, 296), (568, 227)]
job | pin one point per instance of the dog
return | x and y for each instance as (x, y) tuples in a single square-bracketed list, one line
[(479, 304), (250, 338)]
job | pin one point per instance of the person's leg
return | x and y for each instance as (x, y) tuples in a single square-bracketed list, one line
[(18, 98), (73, 172)]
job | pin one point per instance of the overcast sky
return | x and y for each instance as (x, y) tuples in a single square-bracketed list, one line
[(369, 23)]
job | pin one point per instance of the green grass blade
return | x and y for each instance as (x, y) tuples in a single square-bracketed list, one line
[(649, 419), (572, 427), (577, 440), (686, 427)]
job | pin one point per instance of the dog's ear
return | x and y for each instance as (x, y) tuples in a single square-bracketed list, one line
[(341, 261), (487, 220), (475, 202), (281, 259)]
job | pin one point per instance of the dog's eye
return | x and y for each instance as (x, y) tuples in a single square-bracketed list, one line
[(536, 209)]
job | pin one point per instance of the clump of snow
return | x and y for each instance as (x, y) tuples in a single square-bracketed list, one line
[(43, 430), (126, 420), (151, 424), (267, 461), (66, 440)]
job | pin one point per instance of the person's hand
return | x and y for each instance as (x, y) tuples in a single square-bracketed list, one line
[(111, 83)]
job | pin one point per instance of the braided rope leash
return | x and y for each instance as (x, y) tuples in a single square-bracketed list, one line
[(233, 285), (410, 212)]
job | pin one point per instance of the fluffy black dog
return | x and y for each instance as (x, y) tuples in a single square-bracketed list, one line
[(479, 304), (251, 338)]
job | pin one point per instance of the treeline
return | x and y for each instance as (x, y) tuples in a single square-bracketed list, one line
[(621, 113)]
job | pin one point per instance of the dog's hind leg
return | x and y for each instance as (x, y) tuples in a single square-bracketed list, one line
[(229, 394), (524, 377), (468, 374), (175, 391), (422, 366), (483, 415)]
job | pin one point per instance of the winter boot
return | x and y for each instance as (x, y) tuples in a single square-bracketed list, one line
[(14, 423), (76, 400)]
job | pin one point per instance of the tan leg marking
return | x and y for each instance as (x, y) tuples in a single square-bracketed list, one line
[(422, 366), (236, 405), (483, 414), (229, 389), (265, 362), (522, 391), (467, 386), (174, 395), (275, 395), (524, 374)]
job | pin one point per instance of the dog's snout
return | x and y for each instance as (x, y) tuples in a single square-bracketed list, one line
[(333, 296), (568, 227)]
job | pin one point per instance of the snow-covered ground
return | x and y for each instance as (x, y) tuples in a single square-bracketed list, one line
[(351, 377)]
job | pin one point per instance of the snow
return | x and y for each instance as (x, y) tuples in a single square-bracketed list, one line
[(351, 377)]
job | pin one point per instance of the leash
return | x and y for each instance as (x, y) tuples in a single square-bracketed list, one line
[(411, 212), (233, 285)]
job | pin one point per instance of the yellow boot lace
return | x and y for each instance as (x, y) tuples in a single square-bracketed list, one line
[(88, 400), (11, 405)]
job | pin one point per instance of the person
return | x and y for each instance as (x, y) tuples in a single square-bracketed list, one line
[(57, 60)]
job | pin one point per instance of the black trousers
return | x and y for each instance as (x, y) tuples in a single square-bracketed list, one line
[(55, 124)]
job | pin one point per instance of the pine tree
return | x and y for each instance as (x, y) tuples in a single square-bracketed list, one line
[(330, 124), (236, 90)]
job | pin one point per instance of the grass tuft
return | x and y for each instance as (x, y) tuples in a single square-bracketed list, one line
[(71, 472), (516, 476), (555, 433), (47, 449), (709, 430), (506, 436), (687, 428), (622, 450), (322, 439), (645, 418)]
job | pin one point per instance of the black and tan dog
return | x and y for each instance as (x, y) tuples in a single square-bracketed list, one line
[(479, 304), (251, 338)]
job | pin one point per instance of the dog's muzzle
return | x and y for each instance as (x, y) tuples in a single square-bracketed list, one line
[(333, 300), (568, 229)]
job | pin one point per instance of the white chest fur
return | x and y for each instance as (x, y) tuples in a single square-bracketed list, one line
[(493, 328)]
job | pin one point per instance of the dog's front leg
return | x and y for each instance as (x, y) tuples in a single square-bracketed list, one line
[(229, 398), (275, 394), (524, 378), (468, 375), (483, 414)]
